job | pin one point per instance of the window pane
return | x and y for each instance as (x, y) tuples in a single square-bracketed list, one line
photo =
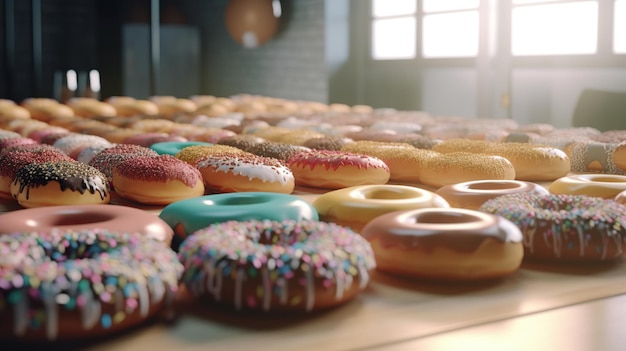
[(568, 28), (448, 5), (619, 33), (383, 8), (451, 34), (393, 38)]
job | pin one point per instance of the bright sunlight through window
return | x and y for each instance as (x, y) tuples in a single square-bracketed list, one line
[(619, 33), (555, 29), (394, 29), (450, 35)]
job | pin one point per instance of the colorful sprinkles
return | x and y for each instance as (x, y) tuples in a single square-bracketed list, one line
[(572, 225), (273, 254), (82, 271)]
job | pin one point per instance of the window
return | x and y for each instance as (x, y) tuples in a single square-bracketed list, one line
[(434, 29), (450, 28), (549, 28), (393, 29), (619, 27)]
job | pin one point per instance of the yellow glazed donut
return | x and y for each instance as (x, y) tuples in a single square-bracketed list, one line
[(599, 185), (459, 167), (445, 244), (355, 206), (531, 162), (471, 195)]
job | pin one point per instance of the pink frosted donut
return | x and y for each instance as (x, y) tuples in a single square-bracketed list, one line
[(157, 180), (108, 158), (337, 169)]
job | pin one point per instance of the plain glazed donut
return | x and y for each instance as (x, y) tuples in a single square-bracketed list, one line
[(460, 167), (113, 218), (157, 180), (243, 171), (355, 206), (531, 162), (576, 228), (445, 244), (471, 195), (188, 216), (269, 265), (600, 185), (69, 285), (337, 169), (59, 183)]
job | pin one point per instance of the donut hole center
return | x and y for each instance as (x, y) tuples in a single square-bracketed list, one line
[(607, 179), (493, 186), (242, 200), (386, 194), (73, 219), (444, 218)]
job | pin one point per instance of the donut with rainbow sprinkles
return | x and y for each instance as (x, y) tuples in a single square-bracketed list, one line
[(574, 228)]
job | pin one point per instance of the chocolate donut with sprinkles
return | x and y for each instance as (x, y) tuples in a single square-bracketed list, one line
[(284, 265), (575, 228), (70, 285), (59, 183)]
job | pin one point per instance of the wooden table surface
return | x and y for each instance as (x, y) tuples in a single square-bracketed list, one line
[(540, 307)]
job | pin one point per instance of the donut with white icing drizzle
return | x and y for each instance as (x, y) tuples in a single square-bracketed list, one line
[(68, 285), (575, 228), (284, 265)]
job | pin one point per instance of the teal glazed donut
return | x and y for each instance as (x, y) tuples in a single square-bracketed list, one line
[(190, 215), (173, 147)]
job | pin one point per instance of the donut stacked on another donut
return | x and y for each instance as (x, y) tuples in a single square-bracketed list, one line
[(445, 244), (576, 228), (81, 284), (269, 265)]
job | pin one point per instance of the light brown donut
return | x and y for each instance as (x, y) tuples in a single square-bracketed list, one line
[(445, 244), (471, 195), (460, 167)]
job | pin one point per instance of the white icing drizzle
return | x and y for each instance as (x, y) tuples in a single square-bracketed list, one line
[(252, 169)]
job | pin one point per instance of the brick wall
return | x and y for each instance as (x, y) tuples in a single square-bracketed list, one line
[(291, 66)]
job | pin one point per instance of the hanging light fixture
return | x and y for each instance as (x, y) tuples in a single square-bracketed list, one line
[(252, 23)]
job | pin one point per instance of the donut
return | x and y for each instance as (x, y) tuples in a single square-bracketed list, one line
[(11, 162), (147, 139), (280, 151), (355, 206), (243, 171), (174, 147), (621, 198), (600, 185), (156, 180), (459, 167), (337, 169), (89, 107), (74, 143), (59, 183), (619, 156), (43, 109), (194, 154), (85, 217), (241, 141), (71, 285), (471, 195), (405, 162), (445, 244), (333, 143), (106, 160), (594, 157), (87, 154), (531, 162), (188, 216), (276, 265), (568, 228)]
